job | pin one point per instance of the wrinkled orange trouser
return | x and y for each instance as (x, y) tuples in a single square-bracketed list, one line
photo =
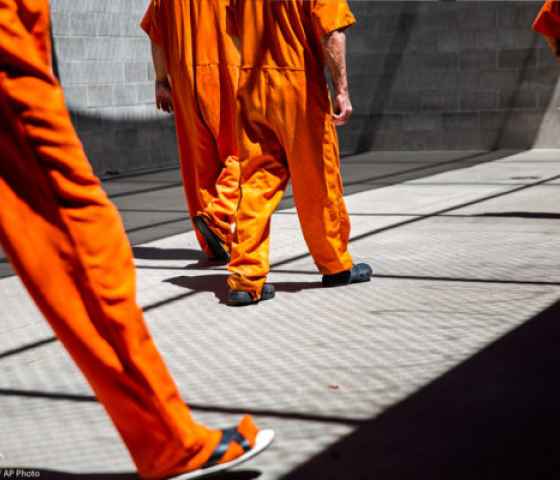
[(205, 122), (67, 243), (286, 129)]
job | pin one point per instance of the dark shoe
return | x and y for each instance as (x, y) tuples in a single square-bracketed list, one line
[(361, 272), (241, 298), (214, 243)]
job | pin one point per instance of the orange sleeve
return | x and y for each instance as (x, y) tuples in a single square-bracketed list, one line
[(548, 20), (330, 15), (150, 24)]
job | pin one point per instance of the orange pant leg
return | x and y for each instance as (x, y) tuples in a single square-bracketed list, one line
[(304, 146), (264, 176), (68, 245), (314, 161), (208, 146)]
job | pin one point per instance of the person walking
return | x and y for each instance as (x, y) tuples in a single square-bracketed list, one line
[(67, 243), (287, 128), (197, 69)]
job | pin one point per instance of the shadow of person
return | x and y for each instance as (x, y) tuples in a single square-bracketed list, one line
[(217, 284), (12, 472), (294, 287), (154, 253)]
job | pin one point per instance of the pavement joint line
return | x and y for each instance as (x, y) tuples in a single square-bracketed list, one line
[(85, 398), (357, 182), (468, 158), (146, 190), (157, 224)]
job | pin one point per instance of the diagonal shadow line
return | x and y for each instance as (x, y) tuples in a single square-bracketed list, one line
[(25, 348), (83, 398), (475, 157), (371, 233), (149, 210), (147, 190), (157, 224), (288, 199), (470, 280), (521, 78), (438, 279), (493, 416), (46, 341), (428, 216), (392, 63), (534, 215)]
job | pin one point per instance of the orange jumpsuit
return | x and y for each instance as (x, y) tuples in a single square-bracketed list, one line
[(67, 243), (203, 63), (547, 24), (286, 128)]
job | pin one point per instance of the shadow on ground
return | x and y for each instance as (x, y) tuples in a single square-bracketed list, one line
[(495, 416), (154, 253), (217, 284), (14, 472)]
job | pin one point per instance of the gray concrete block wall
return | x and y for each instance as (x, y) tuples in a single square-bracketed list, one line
[(423, 75), (104, 62), (449, 75)]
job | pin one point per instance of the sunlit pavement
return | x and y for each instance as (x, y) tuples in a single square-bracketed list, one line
[(412, 375)]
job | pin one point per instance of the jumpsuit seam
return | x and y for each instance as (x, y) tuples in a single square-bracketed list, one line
[(64, 223)]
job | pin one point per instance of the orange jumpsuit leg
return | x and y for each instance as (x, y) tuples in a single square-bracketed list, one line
[(209, 168), (305, 135), (264, 176), (203, 64), (68, 245), (314, 162)]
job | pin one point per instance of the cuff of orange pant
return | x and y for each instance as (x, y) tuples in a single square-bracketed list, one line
[(252, 285), (225, 239), (340, 265)]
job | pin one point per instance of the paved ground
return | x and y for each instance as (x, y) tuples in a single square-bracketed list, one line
[(443, 367)]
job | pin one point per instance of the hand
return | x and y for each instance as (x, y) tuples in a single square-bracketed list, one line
[(164, 97), (342, 108)]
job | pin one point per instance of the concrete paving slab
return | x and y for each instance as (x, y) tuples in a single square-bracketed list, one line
[(318, 365)]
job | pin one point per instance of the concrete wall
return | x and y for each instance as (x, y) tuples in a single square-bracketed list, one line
[(449, 75), (105, 66), (424, 75)]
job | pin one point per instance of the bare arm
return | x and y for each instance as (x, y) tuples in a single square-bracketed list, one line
[(164, 98), (334, 49)]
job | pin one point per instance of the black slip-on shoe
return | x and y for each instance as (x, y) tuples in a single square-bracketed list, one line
[(214, 243), (361, 272), (241, 298)]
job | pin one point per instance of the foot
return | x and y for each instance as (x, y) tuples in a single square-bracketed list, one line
[(361, 272), (237, 445), (215, 244), (241, 298)]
